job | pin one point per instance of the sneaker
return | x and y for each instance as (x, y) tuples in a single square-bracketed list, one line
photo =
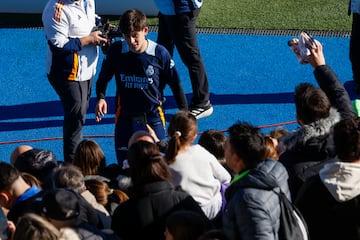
[(201, 112)]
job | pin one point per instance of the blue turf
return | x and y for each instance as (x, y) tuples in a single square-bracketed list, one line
[(251, 78)]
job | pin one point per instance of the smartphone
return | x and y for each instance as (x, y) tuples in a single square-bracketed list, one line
[(139, 122), (302, 46), (4, 228), (308, 39)]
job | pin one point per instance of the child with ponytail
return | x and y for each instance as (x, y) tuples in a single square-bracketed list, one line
[(193, 168)]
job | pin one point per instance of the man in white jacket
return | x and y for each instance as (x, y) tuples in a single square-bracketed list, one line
[(71, 61)]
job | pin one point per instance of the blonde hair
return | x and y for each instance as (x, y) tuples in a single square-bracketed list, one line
[(270, 148), (31, 180), (101, 191)]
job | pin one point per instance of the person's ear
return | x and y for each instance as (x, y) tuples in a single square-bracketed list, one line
[(4, 199), (194, 137), (237, 164), (146, 30), (240, 163)]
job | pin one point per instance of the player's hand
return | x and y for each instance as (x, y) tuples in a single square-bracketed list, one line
[(100, 110)]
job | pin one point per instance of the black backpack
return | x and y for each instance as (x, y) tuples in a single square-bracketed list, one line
[(292, 223)]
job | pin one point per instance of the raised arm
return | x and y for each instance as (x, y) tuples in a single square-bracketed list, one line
[(330, 83)]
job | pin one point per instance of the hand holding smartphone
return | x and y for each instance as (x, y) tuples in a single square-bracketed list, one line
[(302, 45)]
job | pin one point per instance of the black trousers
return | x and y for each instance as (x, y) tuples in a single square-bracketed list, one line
[(74, 96), (355, 48), (180, 31)]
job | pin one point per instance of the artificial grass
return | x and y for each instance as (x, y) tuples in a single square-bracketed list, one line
[(326, 15), (323, 15)]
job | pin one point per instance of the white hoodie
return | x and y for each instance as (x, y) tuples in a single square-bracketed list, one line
[(342, 179)]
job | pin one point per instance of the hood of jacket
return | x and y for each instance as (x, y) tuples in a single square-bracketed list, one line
[(318, 129), (342, 179), (267, 175)]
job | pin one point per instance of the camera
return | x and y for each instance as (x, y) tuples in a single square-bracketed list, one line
[(108, 31)]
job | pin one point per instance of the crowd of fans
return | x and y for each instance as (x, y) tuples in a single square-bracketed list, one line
[(218, 188)]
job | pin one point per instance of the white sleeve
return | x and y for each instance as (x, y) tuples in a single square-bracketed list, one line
[(219, 171), (57, 30)]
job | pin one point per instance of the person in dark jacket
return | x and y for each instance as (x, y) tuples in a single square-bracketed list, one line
[(62, 208), (152, 198), (16, 195), (70, 177), (253, 209), (317, 110), (40, 163), (330, 200)]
